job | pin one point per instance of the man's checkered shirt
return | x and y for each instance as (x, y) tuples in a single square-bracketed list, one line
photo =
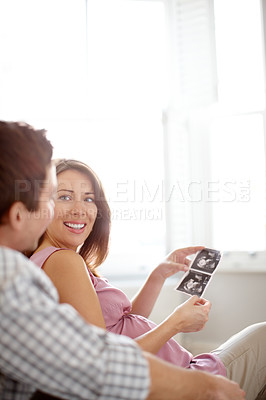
[(46, 345)]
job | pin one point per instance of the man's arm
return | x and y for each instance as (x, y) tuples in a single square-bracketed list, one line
[(173, 383)]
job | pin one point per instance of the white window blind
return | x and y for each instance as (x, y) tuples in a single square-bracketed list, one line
[(237, 211), (240, 54), (193, 85), (192, 46), (222, 135), (237, 127), (238, 174)]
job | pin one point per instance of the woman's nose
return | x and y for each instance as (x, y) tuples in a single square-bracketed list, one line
[(77, 208)]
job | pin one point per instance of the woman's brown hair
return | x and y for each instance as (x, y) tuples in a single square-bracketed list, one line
[(95, 248)]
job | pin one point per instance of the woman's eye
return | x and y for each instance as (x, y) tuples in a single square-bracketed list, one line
[(89, 199), (64, 197)]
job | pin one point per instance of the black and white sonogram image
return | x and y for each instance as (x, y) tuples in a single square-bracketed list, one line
[(194, 283)]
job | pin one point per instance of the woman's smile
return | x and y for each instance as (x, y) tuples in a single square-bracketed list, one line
[(75, 227)]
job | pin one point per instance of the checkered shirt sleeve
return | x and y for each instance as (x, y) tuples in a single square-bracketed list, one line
[(47, 345)]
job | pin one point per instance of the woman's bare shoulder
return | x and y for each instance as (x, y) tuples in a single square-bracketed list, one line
[(64, 258)]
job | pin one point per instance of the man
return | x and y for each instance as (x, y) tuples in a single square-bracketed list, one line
[(46, 345)]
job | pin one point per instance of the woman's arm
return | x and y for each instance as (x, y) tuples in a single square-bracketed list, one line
[(143, 302), (190, 316), (69, 274)]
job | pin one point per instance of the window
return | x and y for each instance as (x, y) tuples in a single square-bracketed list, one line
[(164, 99), (43, 69), (215, 128), (238, 176), (237, 134), (93, 74)]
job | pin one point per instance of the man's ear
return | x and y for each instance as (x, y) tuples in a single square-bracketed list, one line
[(17, 215)]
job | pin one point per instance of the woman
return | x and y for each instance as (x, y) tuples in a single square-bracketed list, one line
[(76, 242)]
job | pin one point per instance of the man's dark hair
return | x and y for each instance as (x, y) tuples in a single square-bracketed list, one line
[(25, 155)]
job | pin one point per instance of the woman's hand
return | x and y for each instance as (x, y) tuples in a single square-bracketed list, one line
[(190, 316), (175, 261)]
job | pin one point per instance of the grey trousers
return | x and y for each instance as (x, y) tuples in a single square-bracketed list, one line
[(244, 356)]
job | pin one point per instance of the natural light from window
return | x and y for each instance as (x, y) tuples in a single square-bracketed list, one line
[(237, 132), (92, 73)]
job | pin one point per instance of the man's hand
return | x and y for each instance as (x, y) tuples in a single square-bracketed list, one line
[(174, 383), (223, 389)]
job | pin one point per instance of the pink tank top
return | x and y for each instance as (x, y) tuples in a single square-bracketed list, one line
[(116, 309)]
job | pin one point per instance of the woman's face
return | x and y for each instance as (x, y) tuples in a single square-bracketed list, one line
[(75, 210)]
